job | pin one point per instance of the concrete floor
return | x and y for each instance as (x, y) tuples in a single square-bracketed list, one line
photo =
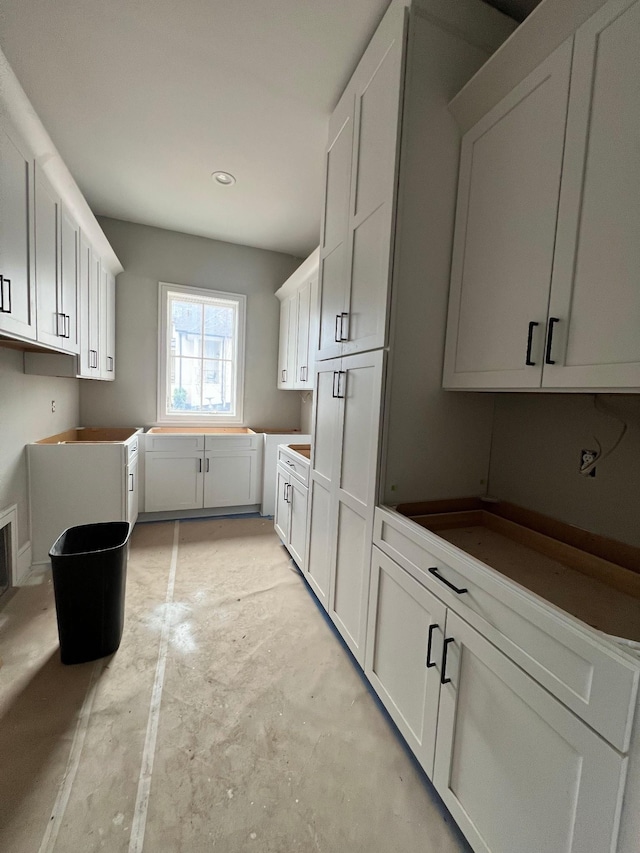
[(230, 719)]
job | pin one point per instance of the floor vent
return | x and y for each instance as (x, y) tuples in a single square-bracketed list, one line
[(8, 548)]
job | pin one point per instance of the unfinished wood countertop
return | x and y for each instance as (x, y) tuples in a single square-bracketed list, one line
[(604, 593)]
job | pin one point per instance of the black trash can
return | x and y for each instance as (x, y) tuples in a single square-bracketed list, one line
[(89, 565)]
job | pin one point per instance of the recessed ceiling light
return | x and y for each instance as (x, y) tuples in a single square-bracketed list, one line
[(223, 178)]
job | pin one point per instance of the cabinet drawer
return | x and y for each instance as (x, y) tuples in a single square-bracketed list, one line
[(575, 663), (171, 443), (294, 465), (232, 442)]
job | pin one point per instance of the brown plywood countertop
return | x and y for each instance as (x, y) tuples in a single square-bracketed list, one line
[(91, 435), (593, 578)]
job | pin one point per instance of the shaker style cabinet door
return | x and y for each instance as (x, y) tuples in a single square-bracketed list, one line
[(516, 769), (595, 295), (17, 284), (69, 279), (378, 84), (334, 246), (404, 650), (51, 321), (359, 203), (509, 186), (359, 391), (322, 478), (173, 480)]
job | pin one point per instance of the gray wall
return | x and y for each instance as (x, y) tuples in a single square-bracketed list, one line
[(535, 457), (25, 416), (150, 255)]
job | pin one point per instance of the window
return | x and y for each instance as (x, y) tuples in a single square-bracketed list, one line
[(201, 355)]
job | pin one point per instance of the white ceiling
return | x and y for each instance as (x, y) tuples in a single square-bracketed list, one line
[(145, 98)]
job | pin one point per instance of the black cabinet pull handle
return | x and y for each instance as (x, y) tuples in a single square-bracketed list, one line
[(443, 671), (338, 374), (434, 571), (547, 355), (284, 375), (338, 331), (208, 463), (344, 316), (67, 325), (3, 308), (131, 486), (528, 361), (333, 390), (430, 662), (200, 465)]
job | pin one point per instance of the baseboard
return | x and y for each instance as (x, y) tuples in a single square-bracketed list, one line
[(188, 514)]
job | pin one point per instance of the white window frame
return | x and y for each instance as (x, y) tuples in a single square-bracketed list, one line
[(195, 418)]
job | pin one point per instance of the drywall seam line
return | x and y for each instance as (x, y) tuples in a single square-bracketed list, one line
[(136, 840), (64, 791)]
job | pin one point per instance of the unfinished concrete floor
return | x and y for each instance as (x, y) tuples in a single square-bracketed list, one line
[(230, 719)]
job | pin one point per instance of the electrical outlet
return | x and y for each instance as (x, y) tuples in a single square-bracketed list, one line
[(587, 458), (53, 405)]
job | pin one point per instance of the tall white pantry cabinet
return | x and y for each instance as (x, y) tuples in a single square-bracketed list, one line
[(395, 104)]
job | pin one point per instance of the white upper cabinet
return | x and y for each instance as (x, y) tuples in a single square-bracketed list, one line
[(595, 292), (49, 284), (89, 366), (70, 279), (544, 285), (360, 182), (298, 323), (107, 325), (510, 168), (17, 284), (50, 316)]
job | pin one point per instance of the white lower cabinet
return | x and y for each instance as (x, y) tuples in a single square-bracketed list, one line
[(516, 769), (347, 406), (185, 472), (404, 647), (74, 482), (291, 501)]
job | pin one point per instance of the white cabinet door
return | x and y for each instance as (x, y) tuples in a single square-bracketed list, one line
[(516, 769), (50, 316), (405, 631), (132, 491), (378, 84), (69, 279), (107, 325), (334, 246), (324, 465), (304, 357), (285, 351), (17, 285), (359, 203), (89, 311), (595, 294), (232, 478), (509, 186), (359, 392), (297, 496), (173, 480), (281, 519)]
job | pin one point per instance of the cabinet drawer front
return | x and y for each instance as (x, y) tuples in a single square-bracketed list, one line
[(232, 442), (294, 465), (585, 672), (171, 443)]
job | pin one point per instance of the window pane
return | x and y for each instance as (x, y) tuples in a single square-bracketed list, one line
[(186, 327), (185, 385), (218, 385)]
